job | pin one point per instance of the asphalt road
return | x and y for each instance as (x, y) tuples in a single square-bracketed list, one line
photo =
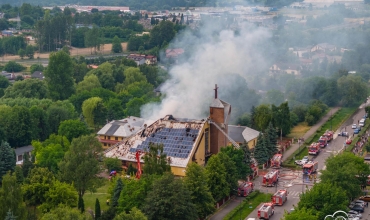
[(296, 183)]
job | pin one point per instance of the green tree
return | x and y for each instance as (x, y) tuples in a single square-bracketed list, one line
[(133, 193), (238, 156), (81, 204), (27, 165), (13, 67), (271, 139), (116, 192), (11, 197), (21, 53), (132, 75), (81, 159), (36, 185), (302, 213), (41, 128), (262, 117), (19, 174), (79, 71), (281, 118), (30, 51), (216, 178), (59, 193), (4, 82), (324, 199), (97, 209), (48, 156), (89, 83), (172, 199), (93, 110), (18, 126), (113, 164), (355, 92), (93, 38), (72, 129), (133, 107), (10, 216), (116, 45), (36, 67), (64, 213), (261, 152), (59, 76), (7, 159), (200, 194), (56, 114), (134, 214), (156, 160), (31, 88), (231, 172)]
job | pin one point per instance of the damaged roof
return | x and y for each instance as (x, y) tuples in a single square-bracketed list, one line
[(178, 136), (123, 128)]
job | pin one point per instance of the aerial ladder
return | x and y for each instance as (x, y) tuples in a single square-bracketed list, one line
[(139, 171)]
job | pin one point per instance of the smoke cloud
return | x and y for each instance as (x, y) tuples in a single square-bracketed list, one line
[(214, 55)]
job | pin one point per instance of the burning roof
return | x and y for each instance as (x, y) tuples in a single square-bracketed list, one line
[(178, 136)]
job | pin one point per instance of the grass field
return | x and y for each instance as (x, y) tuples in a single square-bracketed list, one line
[(248, 205), (299, 130), (101, 194)]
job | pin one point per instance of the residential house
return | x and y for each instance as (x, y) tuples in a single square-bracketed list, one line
[(302, 52), (19, 152), (243, 134), (10, 76), (280, 68), (323, 47), (38, 75), (6, 33), (150, 60), (117, 130), (174, 53), (139, 59)]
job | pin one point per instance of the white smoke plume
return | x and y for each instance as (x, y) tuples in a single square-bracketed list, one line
[(211, 53)]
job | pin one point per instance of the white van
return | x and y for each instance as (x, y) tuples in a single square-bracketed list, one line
[(362, 122)]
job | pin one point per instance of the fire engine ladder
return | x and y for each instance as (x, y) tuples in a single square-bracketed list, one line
[(236, 145)]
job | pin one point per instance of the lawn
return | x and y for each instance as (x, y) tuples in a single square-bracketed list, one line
[(248, 205), (299, 130), (101, 193)]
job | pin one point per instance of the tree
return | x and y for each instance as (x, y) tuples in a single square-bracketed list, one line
[(31, 88), (36, 67), (116, 192), (216, 178), (59, 76), (231, 173), (7, 159), (72, 129), (89, 83), (133, 193), (4, 82), (94, 110), (27, 165), (56, 114), (48, 155), (271, 139), (261, 153), (81, 204), (156, 160), (324, 199), (59, 193), (97, 209), (64, 213), (262, 117), (21, 53), (134, 214), (79, 71), (81, 159), (30, 51), (133, 107), (281, 118), (13, 67), (116, 45), (355, 91), (302, 213), (172, 200), (238, 157), (41, 128), (113, 164), (19, 174), (93, 38), (201, 197), (11, 197), (132, 75), (10, 216)]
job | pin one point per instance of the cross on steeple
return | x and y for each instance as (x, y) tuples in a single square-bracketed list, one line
[(215, 91)]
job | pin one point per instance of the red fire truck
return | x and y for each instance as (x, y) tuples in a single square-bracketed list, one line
[(323, 141), (271, 178), (266, 210), (276, 161), (280, 197), (310, 167), (314, 148), (329, 135), (245, 188)]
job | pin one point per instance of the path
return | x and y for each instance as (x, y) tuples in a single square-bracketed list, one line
[(235, 201)]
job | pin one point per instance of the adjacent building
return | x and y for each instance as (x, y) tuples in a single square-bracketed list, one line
[(141, 59), (243, 135), (20, 151)]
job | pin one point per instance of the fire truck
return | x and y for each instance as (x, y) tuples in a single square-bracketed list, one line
[(276, 161), (280, 197), (310, 167), (271, 178), (245, 188), (329, 135), (266, 210), (323, 141), (314, 148)]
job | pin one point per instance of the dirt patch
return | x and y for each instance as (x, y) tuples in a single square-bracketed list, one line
[(104, 49)]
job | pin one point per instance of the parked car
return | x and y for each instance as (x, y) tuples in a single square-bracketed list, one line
[(354, 126), (356, 131), (358, 208), (360, 202), (359, 128), (343, 133), (348, 141), (354, 214), (365, 198), (302, 162)]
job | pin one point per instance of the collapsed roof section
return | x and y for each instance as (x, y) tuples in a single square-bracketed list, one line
[(178, 136)]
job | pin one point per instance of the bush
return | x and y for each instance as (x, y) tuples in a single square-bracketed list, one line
[(113, 164), (12, 66)]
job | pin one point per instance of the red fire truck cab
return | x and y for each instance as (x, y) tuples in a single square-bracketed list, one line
[(310, 167), (245, 188), (266, 211), (271, 178), (276, 161), (280, 197), (329, 135), (314, 148)]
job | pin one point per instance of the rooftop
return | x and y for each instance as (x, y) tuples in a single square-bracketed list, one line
[(250, 134), (178, 136), (123, 128), (236, 133)]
